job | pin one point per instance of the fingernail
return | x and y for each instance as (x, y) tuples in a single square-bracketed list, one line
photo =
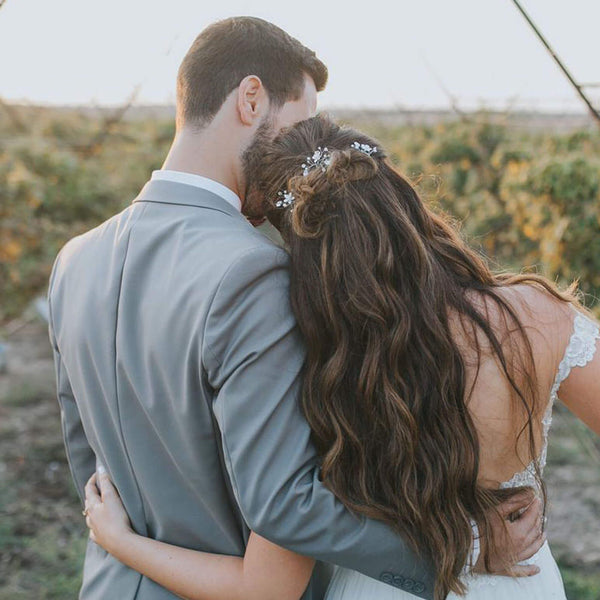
[(101, 470), (536, 571)]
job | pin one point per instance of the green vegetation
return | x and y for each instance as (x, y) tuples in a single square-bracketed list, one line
[(580, 586), (527, 199)]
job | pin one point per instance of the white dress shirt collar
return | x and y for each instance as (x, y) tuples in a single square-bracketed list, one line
[(199, 181)]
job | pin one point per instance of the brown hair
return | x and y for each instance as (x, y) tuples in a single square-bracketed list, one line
[(375, 275), (229, 50)]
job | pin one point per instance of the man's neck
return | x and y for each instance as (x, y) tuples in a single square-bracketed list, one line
[(203, 154)]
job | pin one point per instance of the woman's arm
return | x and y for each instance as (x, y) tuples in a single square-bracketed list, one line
[(266, 572), (580, 391), (561, 331)]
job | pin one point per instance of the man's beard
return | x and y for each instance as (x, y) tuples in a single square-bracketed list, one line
[(254, 204)]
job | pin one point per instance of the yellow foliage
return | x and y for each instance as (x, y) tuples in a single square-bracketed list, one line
[(530, 231), (19, 174), (34, 200), (514, 168), (10, 251)]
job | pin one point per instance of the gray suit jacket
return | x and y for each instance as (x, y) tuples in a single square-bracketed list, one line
[(178, 367)]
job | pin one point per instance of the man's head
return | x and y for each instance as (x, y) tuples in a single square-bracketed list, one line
[(227, 52), (248, 78)]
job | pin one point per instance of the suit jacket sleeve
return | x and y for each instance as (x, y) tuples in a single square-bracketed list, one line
[(81, 457), (253, 356)]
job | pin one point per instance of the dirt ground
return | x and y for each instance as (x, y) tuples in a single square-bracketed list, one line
[(42, 534)]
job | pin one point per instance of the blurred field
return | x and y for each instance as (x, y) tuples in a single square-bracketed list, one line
[(524, 196), (527, 197)]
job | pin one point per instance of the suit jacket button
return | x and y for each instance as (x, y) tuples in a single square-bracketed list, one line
[(387, 577), (408, 585), (398, 581), (418, 587)]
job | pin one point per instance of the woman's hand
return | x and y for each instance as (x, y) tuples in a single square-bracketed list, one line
[(105, 515), (266, 571)]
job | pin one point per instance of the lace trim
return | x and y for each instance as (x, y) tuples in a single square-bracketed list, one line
[(580, 351)]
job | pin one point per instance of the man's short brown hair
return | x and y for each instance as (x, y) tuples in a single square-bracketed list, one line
[(229, 50)]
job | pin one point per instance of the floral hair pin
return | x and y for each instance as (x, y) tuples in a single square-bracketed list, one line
[(319, 159), (285, 199), (364, 148)]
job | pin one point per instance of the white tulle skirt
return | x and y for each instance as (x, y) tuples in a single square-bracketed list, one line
[(546, 585)]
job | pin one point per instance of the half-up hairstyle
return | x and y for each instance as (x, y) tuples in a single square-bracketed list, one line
[(375, 276)]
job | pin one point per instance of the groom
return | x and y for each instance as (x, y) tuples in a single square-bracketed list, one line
[(177, 357)]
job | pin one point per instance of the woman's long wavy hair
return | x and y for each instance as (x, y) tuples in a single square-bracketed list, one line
[(375, 276)]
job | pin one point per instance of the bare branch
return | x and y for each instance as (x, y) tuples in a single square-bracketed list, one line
[(563, 68), (451, 97), (109, 123)]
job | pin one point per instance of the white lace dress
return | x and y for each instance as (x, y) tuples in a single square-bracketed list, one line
[(547, 585)]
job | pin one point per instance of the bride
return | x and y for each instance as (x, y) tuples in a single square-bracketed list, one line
[(428, 385)]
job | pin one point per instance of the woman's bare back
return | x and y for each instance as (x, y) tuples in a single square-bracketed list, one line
[(499, 416)]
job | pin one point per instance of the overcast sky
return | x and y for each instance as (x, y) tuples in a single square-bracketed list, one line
[(380, 53)]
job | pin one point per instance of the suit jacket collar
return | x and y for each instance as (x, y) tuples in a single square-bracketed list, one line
[(171, 192)]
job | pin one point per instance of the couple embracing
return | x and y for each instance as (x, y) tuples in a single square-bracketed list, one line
[(361, 415)]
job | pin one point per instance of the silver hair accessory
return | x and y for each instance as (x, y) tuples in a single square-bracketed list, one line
[(364, 148), (285, 199), (319, 159)]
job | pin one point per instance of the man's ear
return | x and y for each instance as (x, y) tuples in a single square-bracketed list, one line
[(253, 101)]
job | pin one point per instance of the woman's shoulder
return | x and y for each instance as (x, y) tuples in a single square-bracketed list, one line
[(547, 318)]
